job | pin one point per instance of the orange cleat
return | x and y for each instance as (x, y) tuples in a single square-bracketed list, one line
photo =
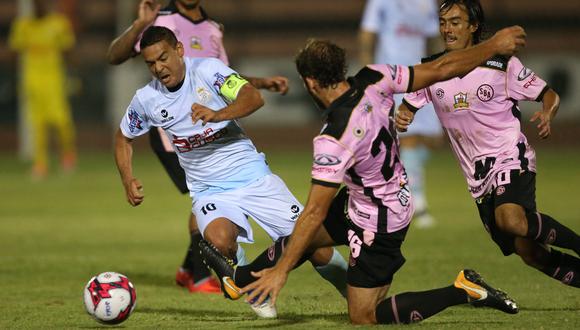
[(184, 279)]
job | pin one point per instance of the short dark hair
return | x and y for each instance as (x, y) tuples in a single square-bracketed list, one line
[(323, 61), (155, 34), (474, 12)]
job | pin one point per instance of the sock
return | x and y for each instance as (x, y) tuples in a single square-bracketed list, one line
[(241, 256), (563, 267), (335, 272), (545, 230), (193, 261), (412, 307), (266, 259), (414, 160)]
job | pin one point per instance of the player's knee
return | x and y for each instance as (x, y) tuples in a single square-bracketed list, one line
[(222, 238), (511, 219), (322, 256)]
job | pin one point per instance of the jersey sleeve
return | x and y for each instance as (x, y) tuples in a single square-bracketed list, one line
[(225, 81), (523, 83), (135, 122), (400, 77), (331, 161), (416, 100), (371, 16)]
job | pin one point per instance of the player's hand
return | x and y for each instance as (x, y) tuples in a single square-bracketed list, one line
[(134, 191), (269, 283), (205, 114), (277, 84), (403, 119), (148, 10), (544, 124), (510, 40)]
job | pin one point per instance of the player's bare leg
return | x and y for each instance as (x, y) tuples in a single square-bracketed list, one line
[(362, 303), (222, 233)]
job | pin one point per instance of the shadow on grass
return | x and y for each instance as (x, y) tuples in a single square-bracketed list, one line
[(246, 316)]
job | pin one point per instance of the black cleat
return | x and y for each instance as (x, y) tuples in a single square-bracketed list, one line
[(223, 266), (482, 294)]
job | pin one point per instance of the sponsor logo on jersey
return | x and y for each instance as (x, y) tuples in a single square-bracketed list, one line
[(219, 80), (485, 92), (367, 107), (358, 132), (524, 73), (295, 208), (440, 93), (496, 64), (460, 101), (195, 43), (166, 116), (500, 190), (134, 121), (530, 82), (326, 160), (186, 144)]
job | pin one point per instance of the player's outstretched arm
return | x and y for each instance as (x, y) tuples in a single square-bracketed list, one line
[(246, 102), (504, 42), (122, 48), (123, 159), (276, 84), (550, 105), (270, 281)]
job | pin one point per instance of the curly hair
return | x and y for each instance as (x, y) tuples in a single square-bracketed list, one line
[(323, 61)]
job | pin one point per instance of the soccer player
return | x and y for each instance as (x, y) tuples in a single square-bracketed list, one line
[(358, 147), (41, 40), (387, 27), (480, 116), (197, 102), (201, 37)]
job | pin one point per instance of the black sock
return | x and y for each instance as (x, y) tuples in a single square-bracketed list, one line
[(266, 259), (564, 267), (412, 307), (545, 230), (193, 261)]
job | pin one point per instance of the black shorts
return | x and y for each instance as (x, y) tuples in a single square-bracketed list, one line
[(520, 190), (168, 160), (370, 266)]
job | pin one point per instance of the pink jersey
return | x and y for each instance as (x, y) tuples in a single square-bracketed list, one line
[(202, 38), (480, 114), (358, 146)]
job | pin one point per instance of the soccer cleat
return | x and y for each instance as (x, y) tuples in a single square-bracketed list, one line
[(223, 267), (184, 279), (482, 294), (265, 310)]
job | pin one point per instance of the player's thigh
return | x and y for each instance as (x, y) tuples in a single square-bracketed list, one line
[(210, 212), (272, 206), (362, 303)]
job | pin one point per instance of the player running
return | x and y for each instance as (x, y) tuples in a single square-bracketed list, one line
[(480, 115), (358, 146)]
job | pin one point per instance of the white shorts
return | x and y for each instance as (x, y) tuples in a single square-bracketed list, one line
[(267, 200)]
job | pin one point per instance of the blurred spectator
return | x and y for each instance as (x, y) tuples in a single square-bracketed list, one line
[(397, 32), (41, 41)]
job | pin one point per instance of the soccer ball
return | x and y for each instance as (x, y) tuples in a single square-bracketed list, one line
[(110, 298)]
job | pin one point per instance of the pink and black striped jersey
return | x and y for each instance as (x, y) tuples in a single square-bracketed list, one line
[(358, 146), (480, 115)]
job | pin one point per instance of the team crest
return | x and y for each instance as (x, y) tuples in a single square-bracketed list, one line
[(203, 94), (134, 121), (195, 43), (460, 101)]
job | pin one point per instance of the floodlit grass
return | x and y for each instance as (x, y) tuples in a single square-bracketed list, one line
[(56, 234)]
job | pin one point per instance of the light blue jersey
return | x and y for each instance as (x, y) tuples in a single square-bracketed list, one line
[(216, 157)]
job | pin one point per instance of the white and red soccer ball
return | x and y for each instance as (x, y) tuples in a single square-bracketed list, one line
[(110, 297)]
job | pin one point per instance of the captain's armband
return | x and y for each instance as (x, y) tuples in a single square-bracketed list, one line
[(231, 86)]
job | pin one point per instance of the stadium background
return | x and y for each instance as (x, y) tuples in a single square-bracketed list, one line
[(57, 233)]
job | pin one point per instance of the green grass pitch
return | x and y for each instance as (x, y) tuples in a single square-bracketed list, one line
[(55, 235)]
